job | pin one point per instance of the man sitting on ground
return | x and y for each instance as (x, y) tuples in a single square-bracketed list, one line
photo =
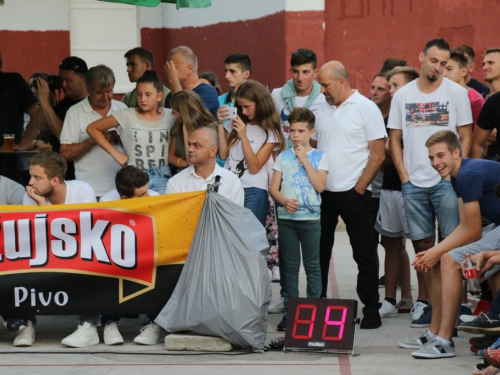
[(131, 182), (47, 187)]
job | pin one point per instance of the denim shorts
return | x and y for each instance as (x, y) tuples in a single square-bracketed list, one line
[(158, 178), (424, 205), (489, 241)]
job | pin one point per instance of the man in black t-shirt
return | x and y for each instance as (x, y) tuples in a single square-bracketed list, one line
[(489, 119), (391, 220), (471, 65), (72, 71), (16, 100)]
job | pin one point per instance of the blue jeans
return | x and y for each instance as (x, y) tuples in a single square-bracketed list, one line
[(158, 178), (297, 235), (423, 205), (257, 201)]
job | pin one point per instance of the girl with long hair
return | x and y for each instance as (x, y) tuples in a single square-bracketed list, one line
[(143, 130), (249, 142), (190, 114)]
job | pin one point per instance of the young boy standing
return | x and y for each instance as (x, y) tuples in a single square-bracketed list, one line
[(301, 171)]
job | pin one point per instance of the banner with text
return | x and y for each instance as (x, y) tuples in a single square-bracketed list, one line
[(121, 257)]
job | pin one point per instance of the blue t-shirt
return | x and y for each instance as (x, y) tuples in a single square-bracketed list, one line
[(476, 181), (208, 96), (295, 184)]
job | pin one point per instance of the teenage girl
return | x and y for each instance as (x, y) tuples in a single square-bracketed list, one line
[(249, 143), (190, 114), (144, 132)]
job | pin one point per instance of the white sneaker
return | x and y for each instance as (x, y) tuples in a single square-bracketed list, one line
[(277, 306), (85, 335), (418, 310), (112, 334), (26, 337), (464, 318), (388, 310), (275, 274), (151, 334)]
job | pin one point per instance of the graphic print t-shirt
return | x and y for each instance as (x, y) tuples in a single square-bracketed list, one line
[(295, 184), (237, 164), (145, 143), (419, 116), (300, 101)]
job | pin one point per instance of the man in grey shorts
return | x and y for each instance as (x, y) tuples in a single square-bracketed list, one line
[(474, 181)]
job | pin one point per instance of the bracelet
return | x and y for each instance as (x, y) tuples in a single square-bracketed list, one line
[(178, 160)]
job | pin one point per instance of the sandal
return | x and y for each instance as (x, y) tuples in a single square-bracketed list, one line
[(493, 358), (404, 307)]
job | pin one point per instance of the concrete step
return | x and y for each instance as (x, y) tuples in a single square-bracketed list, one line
[(197, 343)]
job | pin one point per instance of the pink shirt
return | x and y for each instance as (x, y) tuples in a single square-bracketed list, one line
[(476, 104)]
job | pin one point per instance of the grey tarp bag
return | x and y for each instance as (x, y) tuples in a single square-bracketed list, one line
[(224, 288)]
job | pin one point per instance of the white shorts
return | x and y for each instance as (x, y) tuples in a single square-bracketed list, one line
[(391, 217)]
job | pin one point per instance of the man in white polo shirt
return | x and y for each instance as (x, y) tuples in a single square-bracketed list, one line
[(350, 130), (92, 164), (202, 152)]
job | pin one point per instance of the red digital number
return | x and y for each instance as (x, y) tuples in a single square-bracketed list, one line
[(309, 322), (329, 322)]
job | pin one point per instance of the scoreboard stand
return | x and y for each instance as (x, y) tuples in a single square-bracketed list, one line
[(321, 325)]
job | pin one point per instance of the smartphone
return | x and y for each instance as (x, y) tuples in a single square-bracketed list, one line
[(232, 112)]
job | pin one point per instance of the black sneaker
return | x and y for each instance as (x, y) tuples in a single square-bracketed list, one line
[(371, 321), (282, 324), (484, 323), (277, 344), (381, 282), (483, 340), (15, 325)]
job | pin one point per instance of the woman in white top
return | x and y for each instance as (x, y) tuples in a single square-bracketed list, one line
[(248, 145), (144, 132)]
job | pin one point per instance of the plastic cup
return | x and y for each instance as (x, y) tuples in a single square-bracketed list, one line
[(8, 142)]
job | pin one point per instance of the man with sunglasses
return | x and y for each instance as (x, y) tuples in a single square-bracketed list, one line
[(72, 72)]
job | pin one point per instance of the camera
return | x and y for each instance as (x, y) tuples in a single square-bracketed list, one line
[(54, 81)]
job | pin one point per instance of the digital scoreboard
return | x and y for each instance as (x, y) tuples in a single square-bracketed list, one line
[(316, 323)]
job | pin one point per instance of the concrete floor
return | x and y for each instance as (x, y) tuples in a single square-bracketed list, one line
[(379, 353)]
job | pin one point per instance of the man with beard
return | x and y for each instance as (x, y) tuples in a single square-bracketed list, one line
[(46, 187), (487, 129), (418, 110)]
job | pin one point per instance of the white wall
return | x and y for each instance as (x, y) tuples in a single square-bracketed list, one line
[(303, 5), (39, 15), (220, 11)]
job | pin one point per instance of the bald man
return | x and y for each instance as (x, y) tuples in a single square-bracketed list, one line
[(181, 73), (350, 130), (203, 144)]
